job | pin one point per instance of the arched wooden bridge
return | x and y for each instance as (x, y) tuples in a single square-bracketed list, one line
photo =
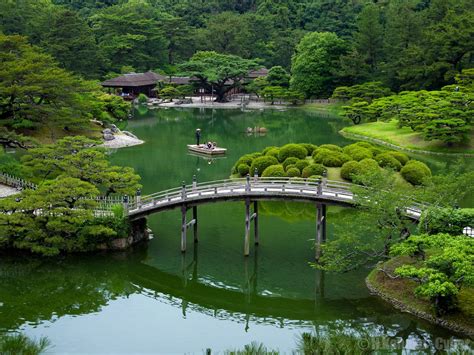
[(320, 191)]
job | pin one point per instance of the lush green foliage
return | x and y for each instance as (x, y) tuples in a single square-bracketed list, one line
[(361, 92), (446, 220), (214, 71), (315, 63), (274, 171), (446, 263), (312, 169), (75, 157), (292, 150), (243, 169), (58, 217), (416, 172), (20, 344), (261, 163)]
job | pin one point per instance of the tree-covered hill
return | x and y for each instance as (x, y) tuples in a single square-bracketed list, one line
[(407, 44)]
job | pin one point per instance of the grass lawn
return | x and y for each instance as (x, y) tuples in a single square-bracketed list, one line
[(335, 109), (402, 290), (405, 137)]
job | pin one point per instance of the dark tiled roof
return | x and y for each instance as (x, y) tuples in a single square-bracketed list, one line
[(144, 79), (133, 79), (257, 73)]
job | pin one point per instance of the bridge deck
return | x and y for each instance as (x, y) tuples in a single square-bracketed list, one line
[(317, 190)]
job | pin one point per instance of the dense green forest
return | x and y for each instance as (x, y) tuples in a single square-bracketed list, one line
[(406, 44)]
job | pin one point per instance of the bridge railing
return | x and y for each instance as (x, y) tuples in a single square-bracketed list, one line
[(234, 185), (16, 182)]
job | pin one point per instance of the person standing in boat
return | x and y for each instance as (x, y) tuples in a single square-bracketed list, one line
[(198, 136)]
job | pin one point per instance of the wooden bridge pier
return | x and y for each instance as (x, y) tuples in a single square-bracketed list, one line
[(248, 219), (185, 224), (320, 229)]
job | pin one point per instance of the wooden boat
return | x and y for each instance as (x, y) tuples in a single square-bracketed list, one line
[(203, 149)]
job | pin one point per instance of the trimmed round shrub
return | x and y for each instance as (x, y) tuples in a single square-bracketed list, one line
[(273, 152), (274, 171), (401, 157), (350, 168), (386, 160), (309, 147), (320, 153), (312, 169), (376, 151), (358, 153), (336, 160), (293, 172), (261, 163), (368, 164), (292, 150), (256, 155), (301, 164), (364, 145), (244, 159), (243, 169), (289, 161), (291, 166), (415, 172), (314, 177), (265, 151), (331, 147)]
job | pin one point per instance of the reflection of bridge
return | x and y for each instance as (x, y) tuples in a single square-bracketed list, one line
[(319, 191)]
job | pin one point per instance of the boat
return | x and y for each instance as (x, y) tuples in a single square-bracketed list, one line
[(203, 149)]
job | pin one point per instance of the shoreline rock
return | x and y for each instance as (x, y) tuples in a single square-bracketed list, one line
[(121, 140)]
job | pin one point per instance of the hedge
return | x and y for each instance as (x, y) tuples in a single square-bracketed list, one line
[(349, 169), (446, 220), (289, 161), (261, 163), (292, 150), (293, 172), (313, 169), (243, 169), (386, 160), (274, 171), (415, 172)]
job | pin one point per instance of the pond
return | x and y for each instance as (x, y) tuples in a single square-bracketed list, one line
[(155, 299)]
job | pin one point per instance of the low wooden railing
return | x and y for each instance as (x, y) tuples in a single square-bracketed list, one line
[(17, 183)]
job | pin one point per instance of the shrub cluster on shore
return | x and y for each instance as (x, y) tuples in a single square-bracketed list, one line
[(307, 160)]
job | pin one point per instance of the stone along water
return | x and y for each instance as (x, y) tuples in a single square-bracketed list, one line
[(155, 299)]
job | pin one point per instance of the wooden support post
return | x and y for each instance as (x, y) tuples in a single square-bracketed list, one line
[(324, 212), (255, 221), (195, 226), (247, 228), (319, 239), (184, 227)]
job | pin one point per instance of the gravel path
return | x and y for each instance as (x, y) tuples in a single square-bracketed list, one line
[(7, 191), (121, 141)]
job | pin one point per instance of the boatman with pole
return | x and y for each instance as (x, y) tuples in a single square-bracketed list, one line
[(198, 136)]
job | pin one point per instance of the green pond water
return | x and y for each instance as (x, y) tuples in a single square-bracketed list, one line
[(153, 299)]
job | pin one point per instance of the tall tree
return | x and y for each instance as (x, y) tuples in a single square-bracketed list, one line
[(71, 41), (316, 63), (34, 91), (131, 34), (219, 72)]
